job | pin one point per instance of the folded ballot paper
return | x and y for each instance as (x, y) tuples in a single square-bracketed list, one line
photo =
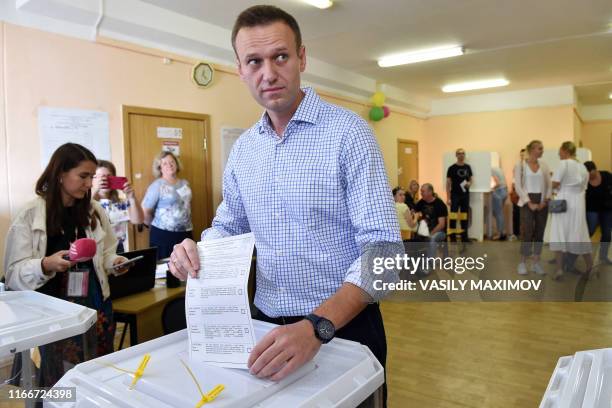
[(217, 305)]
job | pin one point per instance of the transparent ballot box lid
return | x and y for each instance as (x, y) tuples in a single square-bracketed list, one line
[(342, 374), (583, 380), (29, 319)]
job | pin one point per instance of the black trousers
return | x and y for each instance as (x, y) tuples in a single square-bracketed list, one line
[(165, 240), (461, 203), (516, 220), (366, 328)]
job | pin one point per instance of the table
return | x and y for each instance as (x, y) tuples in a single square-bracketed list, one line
[(142, 312)]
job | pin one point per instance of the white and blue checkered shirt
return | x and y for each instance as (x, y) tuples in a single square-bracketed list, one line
[(313, 199)]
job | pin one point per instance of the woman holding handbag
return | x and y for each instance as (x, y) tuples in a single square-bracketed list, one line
[(569, 232), (533, 186)]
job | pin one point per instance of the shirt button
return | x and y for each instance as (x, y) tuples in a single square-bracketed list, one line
[(279, 253), (277, 179), (281, 289), (277, 215)]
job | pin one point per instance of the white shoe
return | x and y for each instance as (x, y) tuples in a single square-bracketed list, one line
[(558, 274), (537, 268), (522, 269)]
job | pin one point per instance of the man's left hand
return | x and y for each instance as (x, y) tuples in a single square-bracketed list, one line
[(283, 350)]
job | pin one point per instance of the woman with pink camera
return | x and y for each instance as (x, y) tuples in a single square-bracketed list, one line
[(120, 208)]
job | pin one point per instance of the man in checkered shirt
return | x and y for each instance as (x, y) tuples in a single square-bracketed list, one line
[(308, 180)]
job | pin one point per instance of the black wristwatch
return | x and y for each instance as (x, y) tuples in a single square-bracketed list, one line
[(324, 329)]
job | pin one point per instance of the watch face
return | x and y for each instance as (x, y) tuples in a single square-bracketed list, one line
[(326, 329), (203, 74)]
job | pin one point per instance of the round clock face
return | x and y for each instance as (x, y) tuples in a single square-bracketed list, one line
[(203, 74)]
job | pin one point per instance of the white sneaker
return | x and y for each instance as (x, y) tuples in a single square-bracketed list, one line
[(558, 274), (537, 268), (522, 269)]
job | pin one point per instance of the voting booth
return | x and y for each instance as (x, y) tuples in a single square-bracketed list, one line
[(31, 319), (481, 164), (583, 380), (551, 157), (342, 374)]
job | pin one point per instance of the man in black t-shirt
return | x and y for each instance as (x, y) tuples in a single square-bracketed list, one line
[(433, 210), (458, 182)]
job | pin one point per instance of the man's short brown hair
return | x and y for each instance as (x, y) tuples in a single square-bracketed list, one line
[(264, 15)]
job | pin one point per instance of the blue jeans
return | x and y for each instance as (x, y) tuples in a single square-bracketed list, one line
[(439, 236), (498, 198), (604, 220)]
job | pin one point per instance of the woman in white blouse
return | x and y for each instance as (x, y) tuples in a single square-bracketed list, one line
[(568, 230), (534, 188)]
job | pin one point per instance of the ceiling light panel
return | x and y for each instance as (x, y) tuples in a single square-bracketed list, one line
[(420, 56), (469, 86), (322, 4)]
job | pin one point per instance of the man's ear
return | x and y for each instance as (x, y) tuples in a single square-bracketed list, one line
[(302, 57)]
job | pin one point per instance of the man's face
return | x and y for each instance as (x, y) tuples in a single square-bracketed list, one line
[(460, 155), (270, 65), (426, 193)]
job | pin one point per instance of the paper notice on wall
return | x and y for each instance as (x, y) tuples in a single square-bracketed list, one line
[(171, 146), (408, 150), (169, 133), (229, 135), (88, 128), (219, 321)]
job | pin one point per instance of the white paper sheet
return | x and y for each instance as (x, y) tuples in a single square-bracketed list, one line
[(217, 304), (57, 126), (229, 135)]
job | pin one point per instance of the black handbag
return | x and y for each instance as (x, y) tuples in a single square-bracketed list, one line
[(557, 206)]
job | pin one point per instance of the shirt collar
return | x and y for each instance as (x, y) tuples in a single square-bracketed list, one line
[(307, 111)]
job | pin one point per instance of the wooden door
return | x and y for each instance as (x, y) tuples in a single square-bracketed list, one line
[(146, 133), (407, 162)]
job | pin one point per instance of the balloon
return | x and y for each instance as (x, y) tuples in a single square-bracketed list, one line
[(378, 99), (386, 111), (376, 113)]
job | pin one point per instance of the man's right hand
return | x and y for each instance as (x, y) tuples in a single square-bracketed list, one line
[(184, 260), (55, 263)]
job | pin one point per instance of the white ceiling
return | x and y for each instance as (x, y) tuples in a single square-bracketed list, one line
[(595, 94), (532, 43), (535, 44)]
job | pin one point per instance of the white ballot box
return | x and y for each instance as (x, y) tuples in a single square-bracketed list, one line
[(343, 374), (30, 319), (583, 380)]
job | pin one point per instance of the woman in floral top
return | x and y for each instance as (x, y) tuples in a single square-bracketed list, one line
[(120, 210), (167, 205)]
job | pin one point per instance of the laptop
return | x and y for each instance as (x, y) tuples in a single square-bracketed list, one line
[(140, 277)]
